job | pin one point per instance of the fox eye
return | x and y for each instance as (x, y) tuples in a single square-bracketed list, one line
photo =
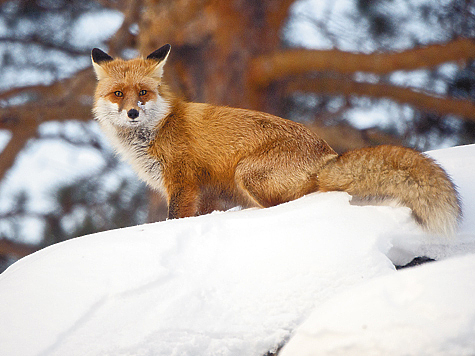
[(118, 94), (142, 92)]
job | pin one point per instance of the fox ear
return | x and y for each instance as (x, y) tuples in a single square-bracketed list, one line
[(98, 58), (160, 56)]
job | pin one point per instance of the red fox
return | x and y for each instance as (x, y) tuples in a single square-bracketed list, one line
[(199, 155)]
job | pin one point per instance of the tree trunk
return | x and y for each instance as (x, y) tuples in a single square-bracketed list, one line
[(213, 43)]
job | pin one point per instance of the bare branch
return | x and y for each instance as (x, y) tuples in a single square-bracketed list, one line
[(18, 140), (35, 40), (15, 249), (343, 137), (113, 4), (265, 69), (60, 101), (426, 102)]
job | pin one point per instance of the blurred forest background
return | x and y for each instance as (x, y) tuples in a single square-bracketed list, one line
[(358, 72)]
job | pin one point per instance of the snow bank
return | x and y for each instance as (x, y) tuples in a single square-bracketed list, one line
[(241, 282), (428, 310)]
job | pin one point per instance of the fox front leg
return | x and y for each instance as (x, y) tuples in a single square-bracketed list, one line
[(182, 202)]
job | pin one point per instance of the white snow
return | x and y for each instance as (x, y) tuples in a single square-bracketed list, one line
[(338, 23), (427, 310), (314, 272), (96, 26)]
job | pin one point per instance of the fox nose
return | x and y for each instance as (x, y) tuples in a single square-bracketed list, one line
[(133, 113)]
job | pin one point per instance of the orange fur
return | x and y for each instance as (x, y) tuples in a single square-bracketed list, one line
[(202, 156)]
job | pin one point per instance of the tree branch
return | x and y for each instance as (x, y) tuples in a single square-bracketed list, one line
[(268, 68), (426, 102), (18, 140), (64, 100), (343, 137), (36, 40), (15, 249)]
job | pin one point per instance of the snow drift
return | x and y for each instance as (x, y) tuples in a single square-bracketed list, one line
[(317, 272)]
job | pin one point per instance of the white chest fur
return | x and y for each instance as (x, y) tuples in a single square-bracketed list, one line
[(133, 144)]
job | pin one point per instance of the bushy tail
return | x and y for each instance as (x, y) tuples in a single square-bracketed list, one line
[(391, 172)]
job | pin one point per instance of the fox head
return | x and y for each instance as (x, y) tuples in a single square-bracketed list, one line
[(129, 92)]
